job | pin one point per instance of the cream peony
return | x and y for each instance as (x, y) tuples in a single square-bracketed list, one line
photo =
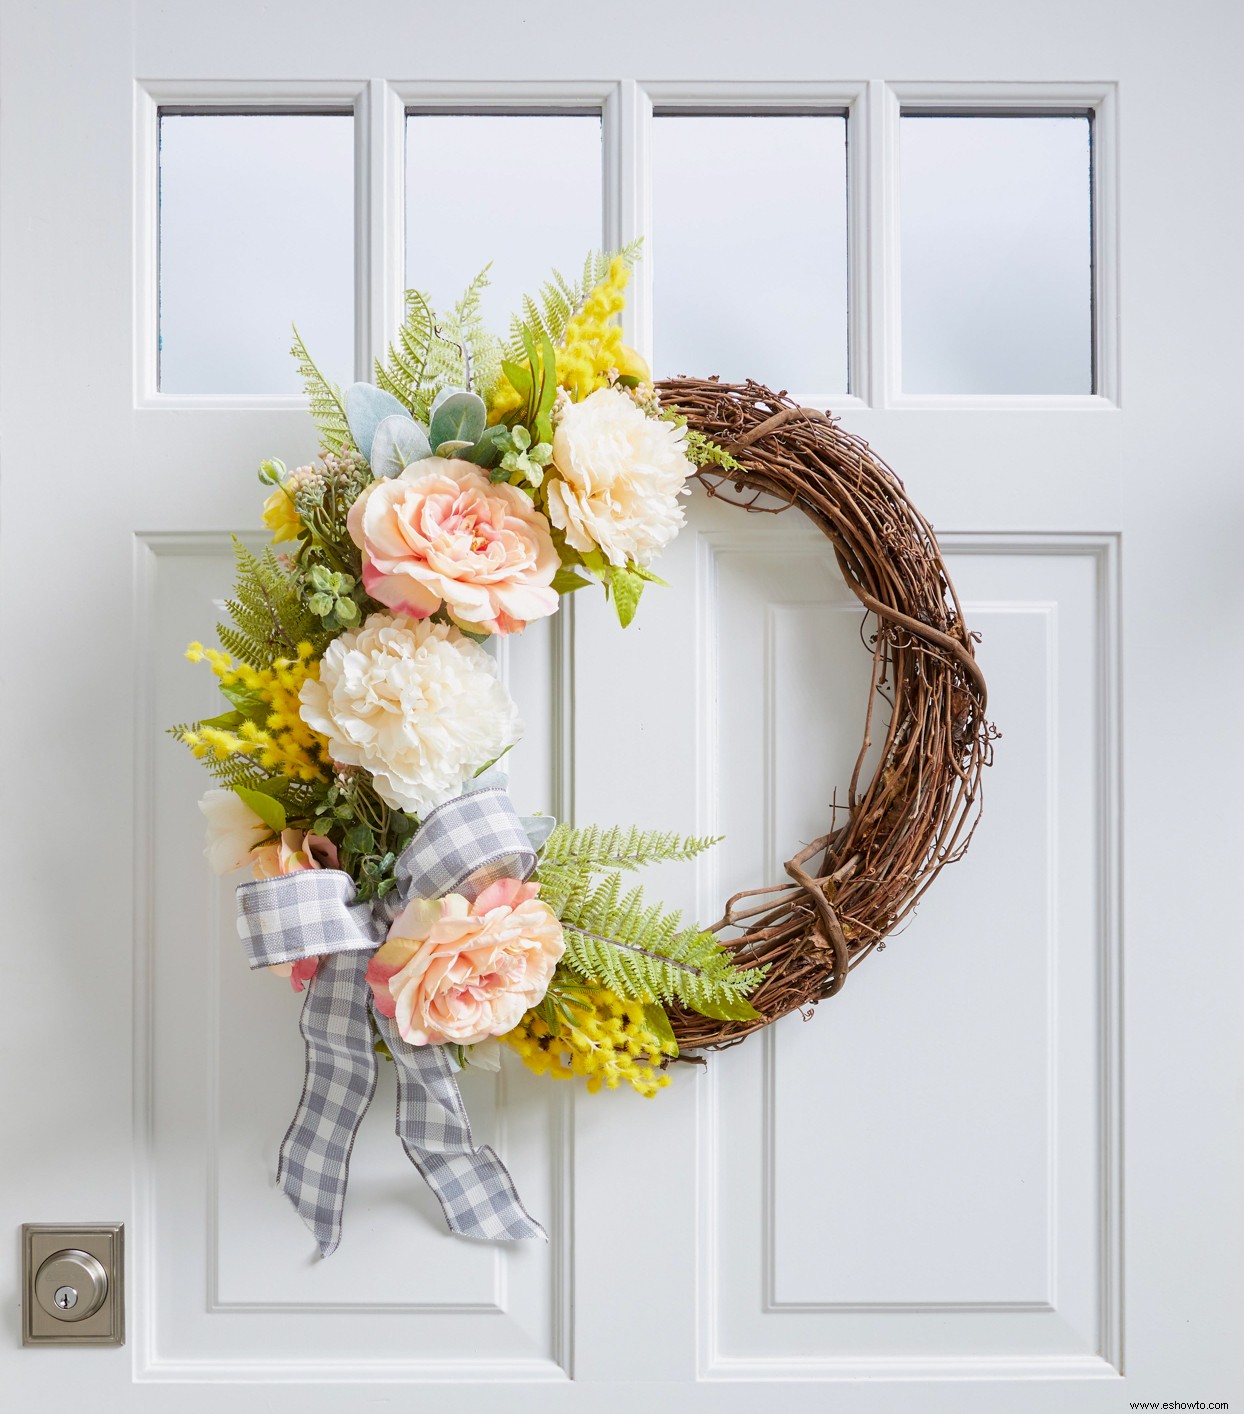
[(619, 476), (453, 971), (418, 705), (443, 533), (233, 830)]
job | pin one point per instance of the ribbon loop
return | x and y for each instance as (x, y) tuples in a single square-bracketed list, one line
[(465, 845), (461, 847)]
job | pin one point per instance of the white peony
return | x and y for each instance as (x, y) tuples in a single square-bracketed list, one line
[(416, 704), (619, 476), (233, 830)]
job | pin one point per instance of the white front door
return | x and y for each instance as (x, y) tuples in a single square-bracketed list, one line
[(998, 1172)]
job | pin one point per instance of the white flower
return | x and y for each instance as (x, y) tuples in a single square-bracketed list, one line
[(233, 830), (619, 475), (418, 705)]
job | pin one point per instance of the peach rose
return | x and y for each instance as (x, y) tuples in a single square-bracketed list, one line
[(443, 533), (293, 853), (461, 972)]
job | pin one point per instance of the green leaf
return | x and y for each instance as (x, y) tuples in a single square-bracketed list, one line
[(488, 449), (519, 377), (548, 368), (625, 589), (646, 574), (248, 702), (488, 765), (226, 721), (359, 839), (565, 581), (458, 417), (728, 1009), (659, 1024), (270, 811)]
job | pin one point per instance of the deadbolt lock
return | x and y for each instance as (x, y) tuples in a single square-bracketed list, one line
[(73, 1284)]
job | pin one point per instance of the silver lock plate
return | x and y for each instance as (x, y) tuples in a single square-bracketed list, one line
[(73, 1284)]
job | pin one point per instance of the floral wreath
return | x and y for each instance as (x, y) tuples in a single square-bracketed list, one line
[(456, 498)]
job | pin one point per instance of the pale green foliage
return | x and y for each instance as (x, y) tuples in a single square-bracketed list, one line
[(619, 847), (269, 617), (328, 409), (466, 355), (559, 299), (615, 940), (431, 352), (702, 451), (405, 374), (297, 797), (640, 951)]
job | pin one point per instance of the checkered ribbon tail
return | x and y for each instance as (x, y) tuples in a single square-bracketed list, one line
[(461, 847)]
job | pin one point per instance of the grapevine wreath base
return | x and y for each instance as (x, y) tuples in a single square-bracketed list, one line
[(849, 889)]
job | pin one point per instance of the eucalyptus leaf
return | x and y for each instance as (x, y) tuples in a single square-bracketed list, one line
[(538, 828), (461, 417), (442, 397), (398, 442), (366, 408), (270, 811), (487, 450), (452, 448)]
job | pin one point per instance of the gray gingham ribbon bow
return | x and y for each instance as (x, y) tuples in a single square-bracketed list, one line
[(461, 847)]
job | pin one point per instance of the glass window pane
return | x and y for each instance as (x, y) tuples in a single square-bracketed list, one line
[(256, 233), (522, 190), (997, 255), (750, 248)]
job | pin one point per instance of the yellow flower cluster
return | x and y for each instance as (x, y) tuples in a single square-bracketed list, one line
[(280, 516), (609, 1045), (283, 743), (593, 347)]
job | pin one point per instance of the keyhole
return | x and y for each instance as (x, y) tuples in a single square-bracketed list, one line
[(65, 1297)]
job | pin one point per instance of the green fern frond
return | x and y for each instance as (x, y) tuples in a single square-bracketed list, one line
[(465, 354), (328, 408), (269, 616), (559, 299), (641, 951), (432, 352), (619, 847), (405, 374)]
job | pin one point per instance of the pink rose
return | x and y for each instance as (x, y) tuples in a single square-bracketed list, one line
[(294, 852), (461, 972), (443, 533)]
